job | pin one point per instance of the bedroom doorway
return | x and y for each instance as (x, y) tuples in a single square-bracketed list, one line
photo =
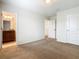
[(50, 28), (8, 29)]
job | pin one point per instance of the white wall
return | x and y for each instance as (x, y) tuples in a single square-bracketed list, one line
[(62, 27), (30, 26)]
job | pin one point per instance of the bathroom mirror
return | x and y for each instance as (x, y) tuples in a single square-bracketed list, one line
[(6, 25)]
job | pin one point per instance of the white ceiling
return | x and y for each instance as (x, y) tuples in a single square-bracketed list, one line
[(40, 7)]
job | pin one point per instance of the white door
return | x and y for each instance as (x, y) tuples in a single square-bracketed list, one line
[(52, 28), (0, 31), (73, 29)]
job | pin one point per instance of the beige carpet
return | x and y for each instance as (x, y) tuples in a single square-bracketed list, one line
[(43, 49)]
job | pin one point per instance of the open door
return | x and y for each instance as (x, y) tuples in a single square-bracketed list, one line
[(50, 28)]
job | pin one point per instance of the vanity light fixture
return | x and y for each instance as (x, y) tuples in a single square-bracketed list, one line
[(9, 17)]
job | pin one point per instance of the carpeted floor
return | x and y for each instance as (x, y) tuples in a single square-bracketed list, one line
[(43, 49)]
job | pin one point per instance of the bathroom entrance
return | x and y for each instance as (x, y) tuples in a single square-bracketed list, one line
[(8, 29)]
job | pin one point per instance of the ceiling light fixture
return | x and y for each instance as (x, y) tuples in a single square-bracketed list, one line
[(48, 1)]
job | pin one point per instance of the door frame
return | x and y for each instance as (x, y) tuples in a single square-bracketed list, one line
[(55, 29), (1, 31)]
